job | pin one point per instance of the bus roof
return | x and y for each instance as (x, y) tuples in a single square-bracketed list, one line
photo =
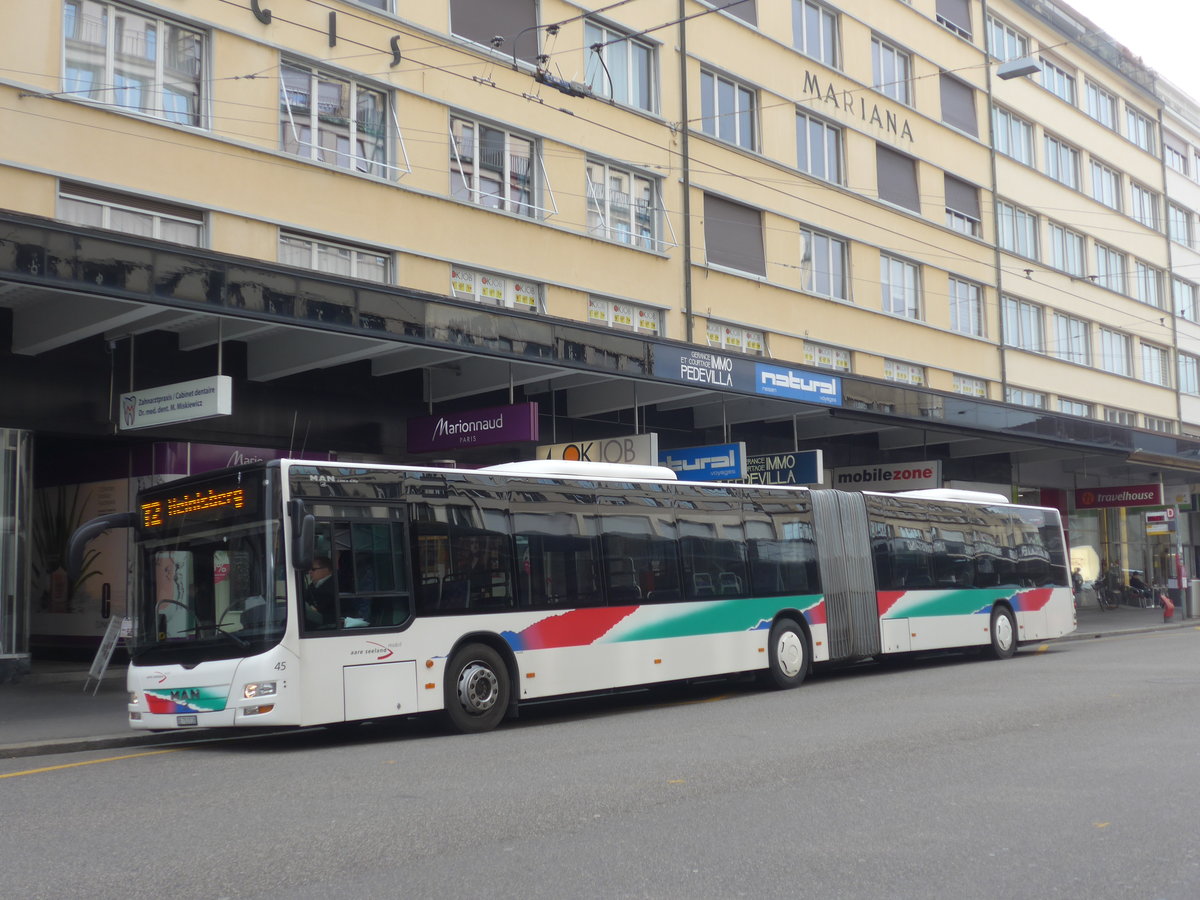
[(582, 469)]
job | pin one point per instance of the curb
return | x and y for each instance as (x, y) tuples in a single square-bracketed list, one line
[(1118, 632)]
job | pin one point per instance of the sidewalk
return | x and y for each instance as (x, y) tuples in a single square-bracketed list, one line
[(50, 712)]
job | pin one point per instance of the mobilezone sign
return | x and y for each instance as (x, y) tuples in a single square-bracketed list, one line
[(911, 476)]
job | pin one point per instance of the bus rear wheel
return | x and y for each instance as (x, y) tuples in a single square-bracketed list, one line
[(476, 689), (1004, 632), (787, 655)]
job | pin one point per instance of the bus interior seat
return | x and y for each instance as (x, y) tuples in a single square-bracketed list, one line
[(703, 584), (729, 583), (454, 594)]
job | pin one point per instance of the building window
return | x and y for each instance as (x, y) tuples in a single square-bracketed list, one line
[(622, 205), (733, 235), (1066, 250), (482, 20), (333, 120), (1179, 224), (1120, 417), (1024, 325), (1141, 128), (624, 316), (1005, 42), (335, 259), (904, 373), (962, 206), (955, 15), (821, 356), (900, 285), (492, 167), (896, 178), (1058, 81), (731, 337), (1074, 408), (1144, 205), (966, 307), (1189, 374), (84, 205), (1184, 294), (1156, 365), (1110, 268), (1018, 230), (1115, 355), (1014, 136), (818, 148), (1153, 423), (1062, 162), (958, 104), (1101, 105), (496, 290), (620, 67), (815, 31), (1146, 284), (1106, 185), (1022, 397), (1175, 152), (1072, 339), (131, 59), (727, 110), (972, 387), (892, 68), (823, 264), (746, 10)]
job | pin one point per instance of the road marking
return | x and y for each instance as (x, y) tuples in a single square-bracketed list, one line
[(1042, 649), (90, 762)]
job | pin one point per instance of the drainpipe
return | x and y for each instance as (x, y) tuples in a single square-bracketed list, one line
[(686, 172)]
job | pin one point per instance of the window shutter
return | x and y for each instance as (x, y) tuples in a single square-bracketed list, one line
[(733, 235), (897, 175), (958, 105)]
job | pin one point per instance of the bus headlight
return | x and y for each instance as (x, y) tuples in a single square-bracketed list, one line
[(133, 698), (258, 689)]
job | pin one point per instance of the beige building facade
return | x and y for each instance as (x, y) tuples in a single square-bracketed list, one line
[(966, 214)]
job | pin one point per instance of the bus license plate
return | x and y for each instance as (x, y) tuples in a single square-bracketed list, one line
[(185, 720)]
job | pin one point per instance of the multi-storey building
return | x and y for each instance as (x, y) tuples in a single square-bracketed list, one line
[(938, 231)]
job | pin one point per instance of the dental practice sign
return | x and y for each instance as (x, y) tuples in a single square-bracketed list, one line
[(185, 401), (705, 368)]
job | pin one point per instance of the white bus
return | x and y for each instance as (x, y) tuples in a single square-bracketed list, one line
[(301, 593)]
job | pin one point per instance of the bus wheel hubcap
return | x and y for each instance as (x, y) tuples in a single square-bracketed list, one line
[(790, 652), (478, 688), (1004, 633)]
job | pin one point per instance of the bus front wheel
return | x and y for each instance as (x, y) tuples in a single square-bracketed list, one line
[(1004, 632), (787, 655), (476, 689)]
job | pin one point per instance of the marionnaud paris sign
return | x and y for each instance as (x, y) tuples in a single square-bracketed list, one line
[(705, 368), (474, 428), (716, 462), (185, 401)]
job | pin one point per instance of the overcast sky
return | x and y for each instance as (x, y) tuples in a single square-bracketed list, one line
[(1164, 33)]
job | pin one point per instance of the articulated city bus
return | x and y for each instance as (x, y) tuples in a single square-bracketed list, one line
[(301, 593)]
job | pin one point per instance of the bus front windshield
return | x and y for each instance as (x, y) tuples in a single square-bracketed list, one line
[(209, 592)]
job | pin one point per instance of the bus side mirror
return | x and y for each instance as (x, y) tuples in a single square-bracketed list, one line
[(304, 527)]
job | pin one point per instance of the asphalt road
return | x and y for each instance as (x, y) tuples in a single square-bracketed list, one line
[(1071, 772)]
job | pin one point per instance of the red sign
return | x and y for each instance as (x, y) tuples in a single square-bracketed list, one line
[(1121, 495)]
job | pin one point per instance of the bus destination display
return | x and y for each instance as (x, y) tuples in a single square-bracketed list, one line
[(209, 504)]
